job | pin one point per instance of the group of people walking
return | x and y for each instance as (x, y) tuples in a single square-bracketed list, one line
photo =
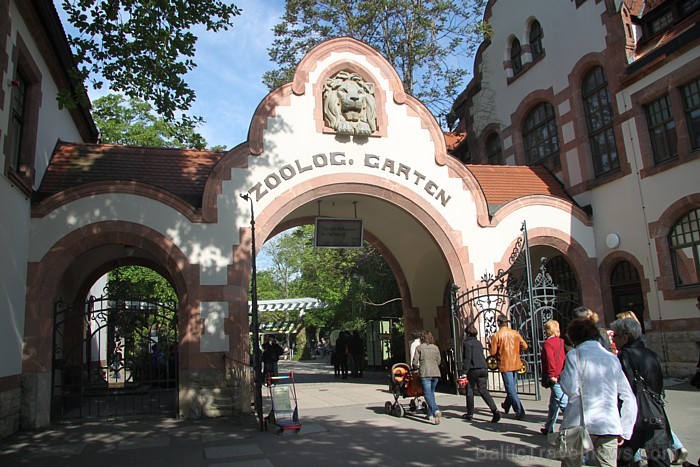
[(348, 356), (600, 379)]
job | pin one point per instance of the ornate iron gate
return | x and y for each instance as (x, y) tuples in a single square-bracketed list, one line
[(527, 303), (114, 357)]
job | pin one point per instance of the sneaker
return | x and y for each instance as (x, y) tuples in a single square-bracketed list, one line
[(431, 419), (466, 416), (438, 414), (520, 416), (679, 456), (496, 417)]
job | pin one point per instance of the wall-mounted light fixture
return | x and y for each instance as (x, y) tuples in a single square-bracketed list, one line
[(612, 240)]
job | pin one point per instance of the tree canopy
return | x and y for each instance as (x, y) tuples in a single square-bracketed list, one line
[(420, 38), (143, 48), (349, 281), (133, 122)]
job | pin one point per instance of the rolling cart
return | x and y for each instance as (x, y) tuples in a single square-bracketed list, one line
[(283, 397)]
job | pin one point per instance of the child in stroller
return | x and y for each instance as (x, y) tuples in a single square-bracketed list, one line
[(404, 383)]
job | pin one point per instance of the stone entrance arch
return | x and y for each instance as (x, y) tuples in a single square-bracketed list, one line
[(343, 137)]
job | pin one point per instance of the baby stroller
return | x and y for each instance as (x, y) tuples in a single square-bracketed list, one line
[(404, 383)]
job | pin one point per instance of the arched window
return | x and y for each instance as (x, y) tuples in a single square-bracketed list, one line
[(516, 63), (493, 150), (684, 241), (626, 290), (599, 118), (536, 39), (540, 136), (562, 274)]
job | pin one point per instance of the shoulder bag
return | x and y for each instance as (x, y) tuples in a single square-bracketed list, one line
[(651, 414)]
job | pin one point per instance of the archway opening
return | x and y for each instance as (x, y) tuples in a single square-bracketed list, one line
[(115, 352)]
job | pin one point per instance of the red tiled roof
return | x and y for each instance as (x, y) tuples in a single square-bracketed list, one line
[(182, 172), (453, 139), (504, 183)]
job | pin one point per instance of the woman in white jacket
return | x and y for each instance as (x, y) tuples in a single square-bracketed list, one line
[(593, 377)]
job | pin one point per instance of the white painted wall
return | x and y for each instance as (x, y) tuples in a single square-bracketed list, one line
[(584, 33), (14, 209)]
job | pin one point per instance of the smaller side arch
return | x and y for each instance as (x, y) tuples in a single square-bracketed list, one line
[(606, 268), (658, 232)]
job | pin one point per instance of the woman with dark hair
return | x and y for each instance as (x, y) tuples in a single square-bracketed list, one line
[(427, 358), (594, 383), (474, 366), (639, 361)]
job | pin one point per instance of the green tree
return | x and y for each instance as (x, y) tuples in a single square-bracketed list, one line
[(133, 122), (420, 38), (348, 281), (143, 48)]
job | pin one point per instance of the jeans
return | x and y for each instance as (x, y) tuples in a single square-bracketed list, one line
[(429, 385), (510, 381), (557, 401)]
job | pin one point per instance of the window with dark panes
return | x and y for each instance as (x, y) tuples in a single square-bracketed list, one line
[(662, 22), (19, 99), (515, 60), (662, 129), (599, 119), (493, 150), (684, 241), (540, 136), (536, 39), (687, 7), (561, 273), (691, 106)]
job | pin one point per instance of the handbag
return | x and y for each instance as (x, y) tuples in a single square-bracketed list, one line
[(575, 440), (650, 406)]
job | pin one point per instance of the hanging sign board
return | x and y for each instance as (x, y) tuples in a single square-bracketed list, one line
[(333, 232)]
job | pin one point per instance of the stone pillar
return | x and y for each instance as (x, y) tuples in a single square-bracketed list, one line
[(35, 410)]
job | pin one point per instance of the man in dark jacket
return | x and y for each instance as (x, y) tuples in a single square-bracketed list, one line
[(636, 358), (474, 366)]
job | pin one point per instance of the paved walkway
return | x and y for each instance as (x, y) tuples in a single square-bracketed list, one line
[(343, 423)]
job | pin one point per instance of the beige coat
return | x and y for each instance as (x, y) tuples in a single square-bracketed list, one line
[(427, 359)]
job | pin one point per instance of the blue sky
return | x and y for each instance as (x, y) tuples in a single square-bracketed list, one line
[(228, 77)]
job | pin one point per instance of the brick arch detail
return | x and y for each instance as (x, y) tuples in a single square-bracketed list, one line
[(455, 253), (659, 231), (605, 271), (87, 190), (44, 278), (584, 267), (282, 95), (541, 200)]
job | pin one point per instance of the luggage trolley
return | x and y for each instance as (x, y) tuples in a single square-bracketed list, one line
[(283, 397)]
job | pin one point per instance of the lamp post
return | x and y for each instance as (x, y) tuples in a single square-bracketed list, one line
[(256, 333)]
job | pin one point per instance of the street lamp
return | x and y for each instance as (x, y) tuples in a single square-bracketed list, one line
[(256, 336)]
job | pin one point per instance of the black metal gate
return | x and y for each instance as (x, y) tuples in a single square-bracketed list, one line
[(528, 303), (114, 357)]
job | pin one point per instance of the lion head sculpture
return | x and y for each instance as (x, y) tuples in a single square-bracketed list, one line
[(348, 105)]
